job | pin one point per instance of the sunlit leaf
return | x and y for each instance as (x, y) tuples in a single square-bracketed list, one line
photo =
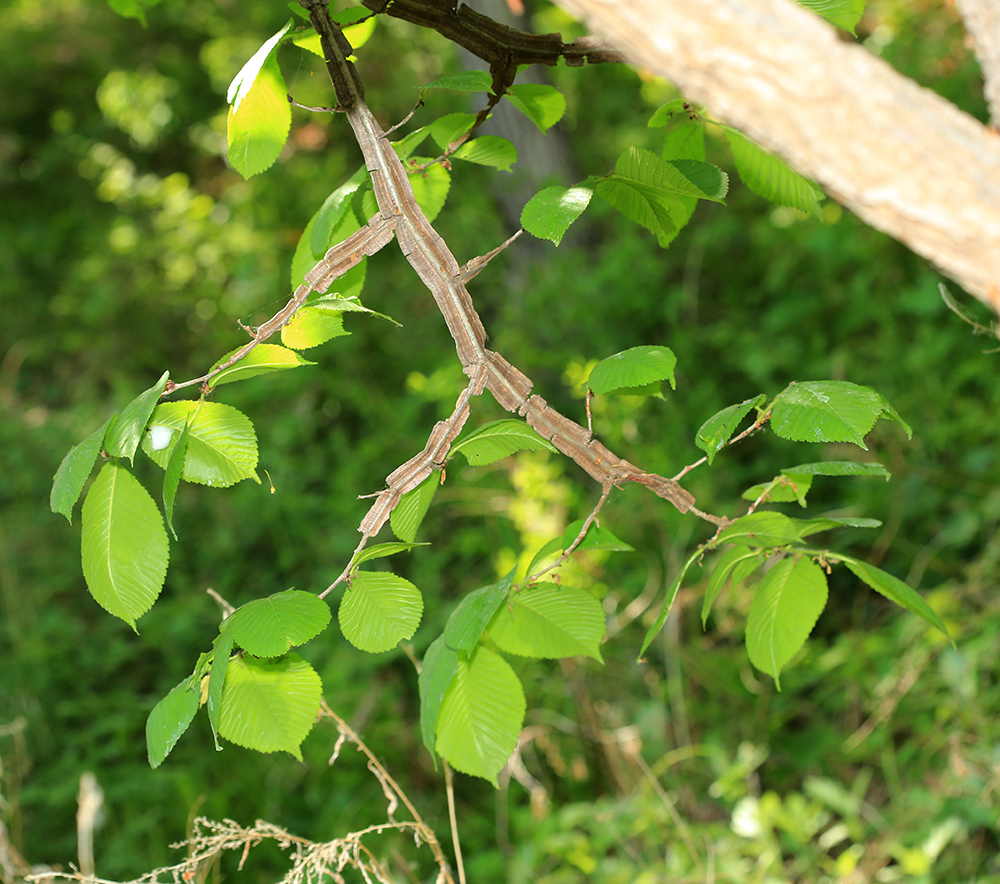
[(448, 129), (488, 150), (549, 213), (551, 621), (124, 545), (633, 368), (481, 715), (772, 178), (311, 326), (498, 439), (262, 359), (784, 610), (844, 13), (73, 472), (826, 411), (222, 445), (274, 625), (126, 429), (172, 476), (544, 105), (169, 719), (379, 610), (430, 187), (269, 705)]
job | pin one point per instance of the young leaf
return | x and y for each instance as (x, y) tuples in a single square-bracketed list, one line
[(269, 705), (549, 621), (765, 530), (448, 129), (633, 368), (544, 105), (719, 428), (271, 627), (222, 445), (497, 440), (481, 715), (260, 115), (668, 603), (76, 466), (666, 112), (172, 476), (124, 545), (411, 509), (381, 550), (725, 568), (467, 81), (488, 150), (311, 326), (379, 610), (844, 13), (895, 590), (549, 213), (784, 610), (772, 178), (262, 359), (436, 674), (169, 719), (474, 612), (826, 411), (125, 433), (222, 648)]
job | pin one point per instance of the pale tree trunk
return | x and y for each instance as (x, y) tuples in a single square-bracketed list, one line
[(899, 156)]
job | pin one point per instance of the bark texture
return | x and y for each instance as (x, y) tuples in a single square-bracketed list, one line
[(896, 154)]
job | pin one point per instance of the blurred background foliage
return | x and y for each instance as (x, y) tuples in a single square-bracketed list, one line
[(127, 246)]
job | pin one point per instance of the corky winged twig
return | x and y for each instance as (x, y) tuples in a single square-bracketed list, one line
[(437, 267)]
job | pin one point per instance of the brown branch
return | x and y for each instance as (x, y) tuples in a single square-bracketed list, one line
[(437, 267), (982, 21)]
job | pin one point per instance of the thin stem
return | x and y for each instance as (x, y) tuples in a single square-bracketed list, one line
[(453, 820)]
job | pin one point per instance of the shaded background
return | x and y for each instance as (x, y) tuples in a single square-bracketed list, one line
[(127, 247)]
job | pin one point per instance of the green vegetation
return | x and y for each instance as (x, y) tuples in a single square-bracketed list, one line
[(130, 247)]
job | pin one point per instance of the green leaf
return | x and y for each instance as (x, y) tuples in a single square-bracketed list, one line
[(379, 610), (169, 719), (895, 590), (549, 621), (839, 468), (549, 213), (666, 112), (784, 610), (411, 509), (260, 115), (772, 178), (784, 489), (430, 187), (172, 476), (132, 8), (597, 537), (262, 359), (481, 715), (331, 213), (437, 672), (222, 445), (763, 530), (488, 150), (498, 439), (311, 326), (668, 603), (685, 141), (125, 432), (269, 705), (719, 428), (843, 13), (410, 142), (890, 413), (474, 612), (381, 550), (467, 81), (305, 258), (450, 128), (633, 368), (222, 649), (544, 105), (76, 466), (734, 561), (124, 545), (826, 411), (271, 627)]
